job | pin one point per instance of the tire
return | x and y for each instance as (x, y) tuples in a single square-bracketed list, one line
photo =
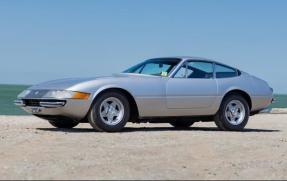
[(110, 112), (64, 123), (233, 113), (181, 124)]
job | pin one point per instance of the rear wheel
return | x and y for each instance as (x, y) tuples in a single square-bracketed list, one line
[(233, 114), (110, 112), (63, 123), (181, 124)]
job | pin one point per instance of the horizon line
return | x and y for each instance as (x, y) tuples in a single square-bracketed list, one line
[(13, 84)]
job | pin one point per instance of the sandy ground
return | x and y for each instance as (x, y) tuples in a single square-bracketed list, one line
[(31, 149)]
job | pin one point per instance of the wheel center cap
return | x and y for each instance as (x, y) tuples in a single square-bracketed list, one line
[(111, 110)]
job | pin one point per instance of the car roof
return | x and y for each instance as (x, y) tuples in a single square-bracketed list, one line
[(186, 58), (183, 58)]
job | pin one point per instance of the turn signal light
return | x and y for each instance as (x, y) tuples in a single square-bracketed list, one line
[(80, 95)]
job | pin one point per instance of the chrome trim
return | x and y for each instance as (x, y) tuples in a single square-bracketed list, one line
[(52, 104), (177, 67), (19, 102)]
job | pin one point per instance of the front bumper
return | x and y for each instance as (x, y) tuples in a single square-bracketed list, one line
[(76, 109)]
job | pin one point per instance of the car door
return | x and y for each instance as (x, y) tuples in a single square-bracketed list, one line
[(192, 87)]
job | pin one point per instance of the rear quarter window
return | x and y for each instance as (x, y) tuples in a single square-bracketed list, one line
[(222, 71)]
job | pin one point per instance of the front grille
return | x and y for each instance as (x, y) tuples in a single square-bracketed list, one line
[(32, 102), (36, 102)]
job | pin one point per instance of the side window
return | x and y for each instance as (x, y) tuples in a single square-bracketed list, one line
[(195, 69), (155, 68), (182, 72), (224, 72)]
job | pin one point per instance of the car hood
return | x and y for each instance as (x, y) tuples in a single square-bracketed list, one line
[(60, 84), (64, 84)]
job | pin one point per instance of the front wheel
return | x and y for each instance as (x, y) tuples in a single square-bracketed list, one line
[(233, 114), (110, 112)]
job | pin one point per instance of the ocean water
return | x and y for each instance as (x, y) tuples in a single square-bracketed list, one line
[(8, 94)]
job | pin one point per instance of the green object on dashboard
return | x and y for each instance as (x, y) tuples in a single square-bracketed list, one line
[(164, 74)]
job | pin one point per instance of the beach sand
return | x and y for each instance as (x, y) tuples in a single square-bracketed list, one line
[(31, 149)]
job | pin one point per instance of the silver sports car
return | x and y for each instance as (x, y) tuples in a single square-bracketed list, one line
[(175, 90)]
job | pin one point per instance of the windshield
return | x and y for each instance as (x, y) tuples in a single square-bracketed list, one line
[(157, 67)]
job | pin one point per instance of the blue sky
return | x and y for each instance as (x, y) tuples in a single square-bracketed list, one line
[(44, 40)]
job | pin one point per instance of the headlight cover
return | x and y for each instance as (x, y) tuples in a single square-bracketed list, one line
[(24, 93), (53, 94), (64, 94)]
